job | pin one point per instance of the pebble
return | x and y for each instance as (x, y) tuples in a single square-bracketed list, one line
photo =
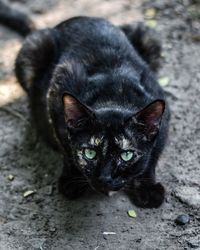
[(188, 195), (182, 219), (52, 229), (99, 214)]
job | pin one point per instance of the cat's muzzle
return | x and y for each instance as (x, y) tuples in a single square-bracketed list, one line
[(106, 184)]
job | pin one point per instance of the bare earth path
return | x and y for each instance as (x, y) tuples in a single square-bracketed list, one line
[(45, 220)]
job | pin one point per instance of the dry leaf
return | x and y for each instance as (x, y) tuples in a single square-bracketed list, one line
[(109, 233), (28, 193), (10, 177)]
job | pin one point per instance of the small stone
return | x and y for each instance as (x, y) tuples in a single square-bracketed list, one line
[(99, 214), (111, 193), (52, 229), (11, 177), (182, 219), (188, 195)]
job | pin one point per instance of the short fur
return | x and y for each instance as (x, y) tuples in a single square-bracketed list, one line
[(90, 87)]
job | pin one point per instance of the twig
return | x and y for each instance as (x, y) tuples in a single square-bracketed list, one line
[(14, 113)]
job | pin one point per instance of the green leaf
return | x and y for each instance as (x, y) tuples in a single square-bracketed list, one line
[(132, 213), (149, 13), (163, 81), (151, 23)]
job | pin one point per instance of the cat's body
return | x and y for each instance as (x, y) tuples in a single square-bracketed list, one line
[(94, 98)]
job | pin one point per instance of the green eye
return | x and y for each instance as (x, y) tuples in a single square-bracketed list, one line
[(90, 153), (127, 155)]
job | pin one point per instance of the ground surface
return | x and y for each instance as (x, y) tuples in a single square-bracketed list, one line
[(45, 220)]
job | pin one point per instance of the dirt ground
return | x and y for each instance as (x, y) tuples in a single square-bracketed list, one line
[(45, 220)]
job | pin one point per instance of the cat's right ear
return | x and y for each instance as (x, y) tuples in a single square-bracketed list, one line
[(77, 115), (149, 118)]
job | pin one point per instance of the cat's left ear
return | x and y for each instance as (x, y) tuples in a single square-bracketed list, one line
[(76, 114), (149, 119)]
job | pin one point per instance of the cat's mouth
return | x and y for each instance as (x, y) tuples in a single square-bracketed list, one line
[(106, 188)]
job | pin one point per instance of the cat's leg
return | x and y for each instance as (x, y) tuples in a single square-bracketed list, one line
[(145, 191), (145, 41), (72, 183)]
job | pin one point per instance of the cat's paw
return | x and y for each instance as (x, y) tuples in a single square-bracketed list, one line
[(71, 189), (149, 196)]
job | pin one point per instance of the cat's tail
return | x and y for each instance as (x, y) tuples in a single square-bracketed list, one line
[(15, 19), (146, 42), (36, 57)]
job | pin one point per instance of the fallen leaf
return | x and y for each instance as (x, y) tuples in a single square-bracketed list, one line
[(132, 213), (149, 13), (10, 177), (109, 233), (151, 23), (28, 193), (163, 81)]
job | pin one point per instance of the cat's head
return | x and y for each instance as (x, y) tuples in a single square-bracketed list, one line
[(110, 145)]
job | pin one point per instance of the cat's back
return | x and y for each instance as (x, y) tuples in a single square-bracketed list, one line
[(104, 62), (91, 33)]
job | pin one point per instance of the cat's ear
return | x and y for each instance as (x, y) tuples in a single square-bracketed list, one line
[(149, 118), (76, 114)]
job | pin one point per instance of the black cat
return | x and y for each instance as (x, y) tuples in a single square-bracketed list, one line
[(15, 18), (95, 99)]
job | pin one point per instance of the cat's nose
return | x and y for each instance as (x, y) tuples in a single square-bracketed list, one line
[(105, 180)]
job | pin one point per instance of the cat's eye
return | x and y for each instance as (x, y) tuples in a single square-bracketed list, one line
[(89, 153), (127, 155)]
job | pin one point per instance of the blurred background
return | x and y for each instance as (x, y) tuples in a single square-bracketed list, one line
[(32, 213)]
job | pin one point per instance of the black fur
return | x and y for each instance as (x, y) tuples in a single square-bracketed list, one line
[(90, 88), (15, 19), (146, 43)]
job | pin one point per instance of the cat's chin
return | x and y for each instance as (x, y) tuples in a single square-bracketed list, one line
[(108, 192)]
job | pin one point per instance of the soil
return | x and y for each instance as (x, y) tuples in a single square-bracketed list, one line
[(44, 219)]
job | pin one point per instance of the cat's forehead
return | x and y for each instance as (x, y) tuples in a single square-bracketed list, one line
[(124, 142), (96, 140), (121, 141)]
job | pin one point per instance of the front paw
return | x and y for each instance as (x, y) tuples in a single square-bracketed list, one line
[(72, 188), (148, 196)]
